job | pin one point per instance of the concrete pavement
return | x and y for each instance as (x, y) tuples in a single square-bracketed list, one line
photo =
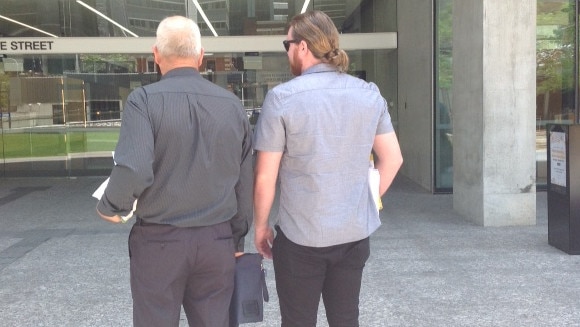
[(60, 265)]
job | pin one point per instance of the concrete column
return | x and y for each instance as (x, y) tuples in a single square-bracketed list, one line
[(494, 90)]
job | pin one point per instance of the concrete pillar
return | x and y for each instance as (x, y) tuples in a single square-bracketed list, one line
[(494, 89)]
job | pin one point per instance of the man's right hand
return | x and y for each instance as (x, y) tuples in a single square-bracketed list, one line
[(263, 240)]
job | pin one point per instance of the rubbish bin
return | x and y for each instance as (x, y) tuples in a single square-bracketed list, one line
[(563, 150)]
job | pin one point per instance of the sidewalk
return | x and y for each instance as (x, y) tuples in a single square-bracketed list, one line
[(60, 265)]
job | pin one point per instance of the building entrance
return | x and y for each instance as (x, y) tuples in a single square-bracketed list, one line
[(62, 112)]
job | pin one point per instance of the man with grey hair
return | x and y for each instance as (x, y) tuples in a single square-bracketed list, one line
[(184, 153)]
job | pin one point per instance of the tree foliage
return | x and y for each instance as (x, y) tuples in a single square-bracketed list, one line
[(444, 43), (556, 46)]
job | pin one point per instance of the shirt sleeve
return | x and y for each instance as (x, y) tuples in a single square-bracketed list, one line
[(385, 124), (270, 130), (242, 221), (133, 170)]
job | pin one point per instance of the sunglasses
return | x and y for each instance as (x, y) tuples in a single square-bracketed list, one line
[(287, 43)]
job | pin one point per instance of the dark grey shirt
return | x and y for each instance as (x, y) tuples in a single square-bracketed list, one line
[(185, 153)]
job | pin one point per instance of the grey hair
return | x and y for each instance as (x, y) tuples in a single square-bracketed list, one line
[(178, 36)]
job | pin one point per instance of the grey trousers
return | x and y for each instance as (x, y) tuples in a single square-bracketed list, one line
[(172, 266)]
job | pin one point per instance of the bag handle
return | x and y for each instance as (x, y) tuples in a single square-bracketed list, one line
[(265, 293)]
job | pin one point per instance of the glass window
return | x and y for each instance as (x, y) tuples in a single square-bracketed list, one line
[(556, 86), (68, 123), (60, 113), (127, 18), (443, 119)]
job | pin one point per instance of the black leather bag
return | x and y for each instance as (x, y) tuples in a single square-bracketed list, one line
[(250, 290)]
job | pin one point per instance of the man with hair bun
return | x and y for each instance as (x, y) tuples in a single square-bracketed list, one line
[(316, 134), (185, 154)]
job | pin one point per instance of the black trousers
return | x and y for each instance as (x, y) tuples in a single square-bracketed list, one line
[(304, 274), (172, 266)]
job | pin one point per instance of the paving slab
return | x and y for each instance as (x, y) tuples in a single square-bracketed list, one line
[(60, 265)]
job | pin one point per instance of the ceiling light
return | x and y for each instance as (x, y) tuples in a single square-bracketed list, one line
[(202, 13), (305, 6), (27, 26), (105, 17)]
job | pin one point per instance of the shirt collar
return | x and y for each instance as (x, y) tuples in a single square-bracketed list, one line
[(181, 71), (320, 68)]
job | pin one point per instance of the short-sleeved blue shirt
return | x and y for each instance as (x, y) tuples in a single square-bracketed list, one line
[(325, 123)]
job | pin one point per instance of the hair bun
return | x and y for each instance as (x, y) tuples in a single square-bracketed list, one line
[(331, 54)]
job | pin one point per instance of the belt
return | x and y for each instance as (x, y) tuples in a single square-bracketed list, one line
[(141, 222)]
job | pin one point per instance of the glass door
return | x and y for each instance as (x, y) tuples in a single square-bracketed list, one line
[(65, 81), (443, 119), (557, 80)]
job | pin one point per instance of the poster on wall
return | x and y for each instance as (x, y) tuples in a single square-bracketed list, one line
[(558, 158)]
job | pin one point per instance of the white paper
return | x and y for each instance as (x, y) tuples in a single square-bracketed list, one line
[(558, 158), (374, 183), (98, 194), (130, 214), (101, 189)]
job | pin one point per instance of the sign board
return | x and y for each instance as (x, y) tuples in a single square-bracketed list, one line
[(558, 172), (251, 45)]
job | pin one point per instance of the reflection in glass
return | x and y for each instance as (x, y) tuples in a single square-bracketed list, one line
[(443, 131), (60, 113), (129, 18), (69, 120), (556, 86)]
